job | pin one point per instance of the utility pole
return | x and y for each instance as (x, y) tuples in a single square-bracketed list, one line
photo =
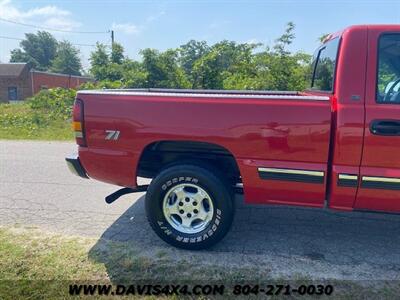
[(112, 37)]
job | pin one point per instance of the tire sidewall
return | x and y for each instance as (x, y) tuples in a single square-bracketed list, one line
[(221, 200)]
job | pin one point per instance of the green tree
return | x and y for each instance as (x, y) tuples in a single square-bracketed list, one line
[(274, 68), (162, 69), (37, 49), (17, 55), (279, 69), (281, 65), (223, 59), (224, 65), (117, 53), (67, 59), (189, 53), (285, 40), (323, 37), (134, 74), (99, 62)]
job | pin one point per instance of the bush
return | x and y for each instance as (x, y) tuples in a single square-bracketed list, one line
[(56, 103), (46, 115), (20, 116), (17, 118), (104, 84)]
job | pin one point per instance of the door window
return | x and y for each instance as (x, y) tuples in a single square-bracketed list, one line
[(388, 81)]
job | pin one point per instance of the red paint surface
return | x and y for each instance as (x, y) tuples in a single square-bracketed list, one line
[(326, 136), (381, 153)]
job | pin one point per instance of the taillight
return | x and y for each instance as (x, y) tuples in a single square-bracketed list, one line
[(77, 122)]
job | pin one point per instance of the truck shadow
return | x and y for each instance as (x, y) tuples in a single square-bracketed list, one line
[(270, 237)]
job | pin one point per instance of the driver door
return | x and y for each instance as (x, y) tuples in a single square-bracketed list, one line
[(380, 167)]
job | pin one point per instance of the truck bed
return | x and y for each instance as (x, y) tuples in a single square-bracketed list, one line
[(259, 129)]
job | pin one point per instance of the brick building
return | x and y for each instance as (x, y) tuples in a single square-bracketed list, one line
[(18, 81)]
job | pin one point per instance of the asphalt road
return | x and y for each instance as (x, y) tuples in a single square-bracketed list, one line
[(36, 189)]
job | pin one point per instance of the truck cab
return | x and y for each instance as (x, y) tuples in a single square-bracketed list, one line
[(365, 171)]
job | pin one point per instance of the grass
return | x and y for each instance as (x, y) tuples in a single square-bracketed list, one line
[(38, 265), (20, 121), (124, 263), (35, 255)]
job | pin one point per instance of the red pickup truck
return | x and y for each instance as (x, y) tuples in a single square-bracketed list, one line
[(333, 145)]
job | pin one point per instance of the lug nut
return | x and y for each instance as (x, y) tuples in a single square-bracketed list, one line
[(181, 211), (194, 203), (195, 211), (180, 203), (189, 215), (187, 199)]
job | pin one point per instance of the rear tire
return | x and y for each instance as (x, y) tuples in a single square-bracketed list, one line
[(189, 206)]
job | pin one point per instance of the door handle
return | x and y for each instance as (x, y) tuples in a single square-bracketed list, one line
[(385, 127)]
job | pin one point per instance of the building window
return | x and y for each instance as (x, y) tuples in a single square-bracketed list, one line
[(12, 93)]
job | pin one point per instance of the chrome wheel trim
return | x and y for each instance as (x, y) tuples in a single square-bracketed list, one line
[(188, 208)]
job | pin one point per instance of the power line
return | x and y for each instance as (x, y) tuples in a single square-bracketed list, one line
[(9, 38), (19, 39), (53, 29), (84, 45)]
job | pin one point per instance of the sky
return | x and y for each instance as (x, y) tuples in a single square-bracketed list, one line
[(169, 24)]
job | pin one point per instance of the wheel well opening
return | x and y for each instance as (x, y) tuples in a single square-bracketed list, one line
[(156, 156)]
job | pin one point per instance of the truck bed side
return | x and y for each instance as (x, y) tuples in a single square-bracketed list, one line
[(259, 131)]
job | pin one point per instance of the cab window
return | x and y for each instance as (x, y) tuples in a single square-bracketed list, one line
[(324, 65), (388, 81)]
